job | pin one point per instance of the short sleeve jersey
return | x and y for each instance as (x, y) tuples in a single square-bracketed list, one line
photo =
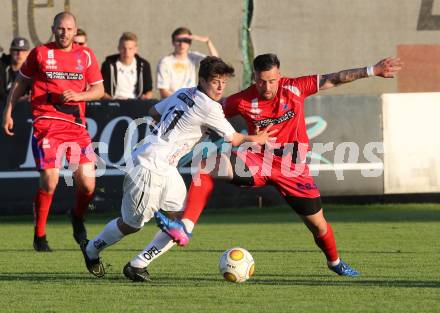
[(285, 111), (173, 73), (186, 118), (53, 71)]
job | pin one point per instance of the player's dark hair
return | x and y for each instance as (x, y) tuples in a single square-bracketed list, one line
[(211, 67), (62, 15), (81, 32), (264, 62), (180, 31)]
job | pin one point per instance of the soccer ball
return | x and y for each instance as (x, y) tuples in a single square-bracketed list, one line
[(237, 265)]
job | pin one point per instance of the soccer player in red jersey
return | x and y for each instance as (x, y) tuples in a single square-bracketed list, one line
[(276, 100), (63, 76)]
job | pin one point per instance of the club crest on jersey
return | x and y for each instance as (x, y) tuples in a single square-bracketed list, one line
[(79, 66), (284, 105), (293, 90)]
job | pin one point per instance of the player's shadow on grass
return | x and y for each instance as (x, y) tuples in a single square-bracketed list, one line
[(220, 251), (352, 282), (84, 277), (209, 279)]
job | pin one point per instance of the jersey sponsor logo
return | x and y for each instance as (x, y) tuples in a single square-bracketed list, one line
[(293, 90), (51, 64), (265, 122), (65, 75), (185, 98)]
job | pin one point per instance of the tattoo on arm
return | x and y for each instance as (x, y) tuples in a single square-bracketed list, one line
[(343, 77)]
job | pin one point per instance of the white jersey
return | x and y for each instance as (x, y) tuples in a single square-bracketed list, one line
[(186, 116)]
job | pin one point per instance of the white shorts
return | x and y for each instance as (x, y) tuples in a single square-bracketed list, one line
[(145, 192)]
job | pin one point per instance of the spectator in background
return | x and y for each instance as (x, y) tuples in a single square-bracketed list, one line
[(80, 37), (178, 70), (11, 64), (127, 75)]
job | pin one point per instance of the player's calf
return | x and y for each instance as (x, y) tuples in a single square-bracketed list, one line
[(79, 229)]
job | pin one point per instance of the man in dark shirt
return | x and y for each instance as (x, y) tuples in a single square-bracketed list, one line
[(10, 64)]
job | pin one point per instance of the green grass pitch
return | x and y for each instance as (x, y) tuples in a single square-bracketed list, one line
[(395, 247)]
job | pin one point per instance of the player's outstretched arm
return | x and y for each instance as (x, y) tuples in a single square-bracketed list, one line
[(18, 89), (386, 68), (262, 137)]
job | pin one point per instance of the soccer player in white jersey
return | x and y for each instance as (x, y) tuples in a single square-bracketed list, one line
[(154, 182)]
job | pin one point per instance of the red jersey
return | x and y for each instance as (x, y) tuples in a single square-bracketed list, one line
[(53, 71), (285, 111)]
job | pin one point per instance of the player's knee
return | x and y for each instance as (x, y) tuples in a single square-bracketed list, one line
[(125, 228), (88, 188), (49, 183), (86, 184), (319, 229), (49, 188)]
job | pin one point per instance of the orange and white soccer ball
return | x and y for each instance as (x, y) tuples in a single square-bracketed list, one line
[(237, 265)]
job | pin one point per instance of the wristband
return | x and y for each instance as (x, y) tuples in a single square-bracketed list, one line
[(370, 71)]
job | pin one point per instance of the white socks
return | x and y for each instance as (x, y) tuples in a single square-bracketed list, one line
[(109, 235), (333, 263), (189, 225), (158, 246)]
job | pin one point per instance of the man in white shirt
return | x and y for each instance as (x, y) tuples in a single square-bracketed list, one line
[(127, 75), (178, 69), (154, 182)]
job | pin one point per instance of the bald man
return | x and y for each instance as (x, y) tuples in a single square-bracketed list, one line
[(59, 73)]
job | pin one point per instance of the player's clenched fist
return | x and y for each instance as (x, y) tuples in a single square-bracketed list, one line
[(8, 125)]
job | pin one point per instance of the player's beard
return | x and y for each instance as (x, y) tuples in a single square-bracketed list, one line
[(267, 96), (63, 41)]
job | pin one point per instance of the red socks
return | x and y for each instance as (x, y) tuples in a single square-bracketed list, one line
[(82, 203), (327, 244), (197, 197), (42, 203)]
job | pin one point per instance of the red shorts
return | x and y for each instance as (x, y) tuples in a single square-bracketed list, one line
[(53, 139), (290, 179)]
